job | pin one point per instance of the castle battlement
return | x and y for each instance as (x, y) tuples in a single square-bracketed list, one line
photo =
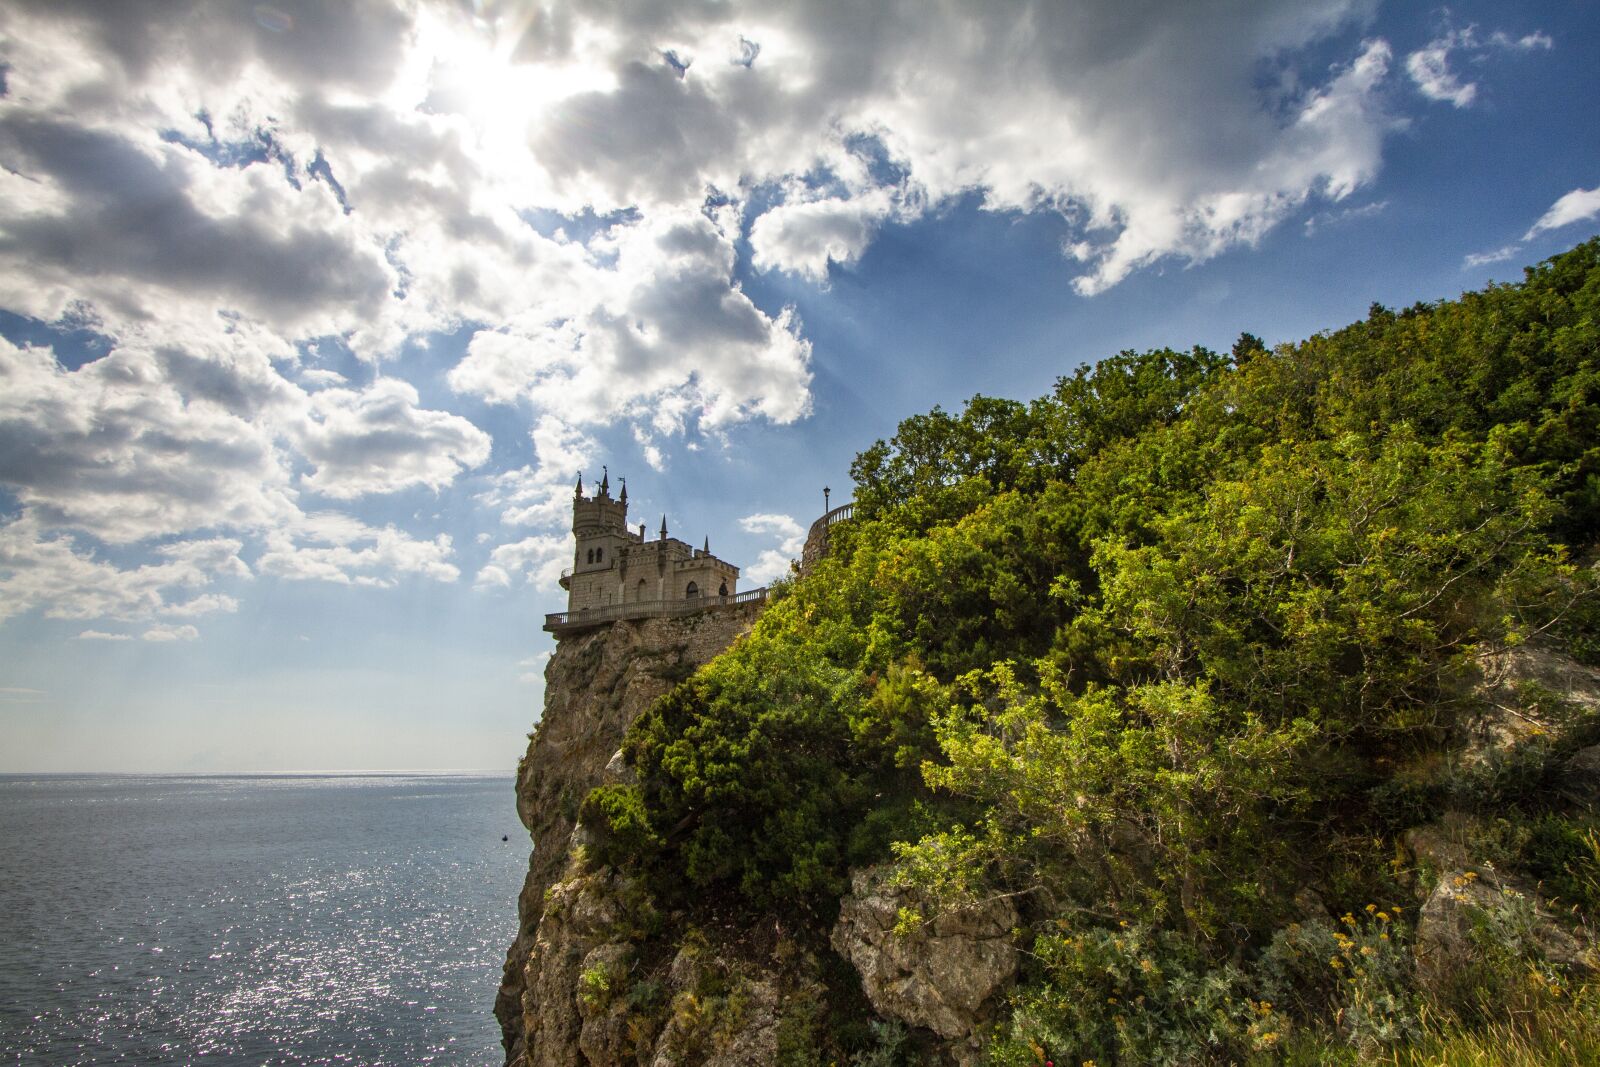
[(617, 573)]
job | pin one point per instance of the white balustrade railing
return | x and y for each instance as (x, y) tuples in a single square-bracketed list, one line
[(646, 609)]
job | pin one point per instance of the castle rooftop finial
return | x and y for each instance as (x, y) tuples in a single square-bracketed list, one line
[(663, 526), (605, 482), (707, 548), (579, 490), (624, 497)]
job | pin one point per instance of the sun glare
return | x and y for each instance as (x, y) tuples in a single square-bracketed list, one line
[(465, 69)]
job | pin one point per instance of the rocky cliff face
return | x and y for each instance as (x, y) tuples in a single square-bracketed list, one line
[(596, 684)]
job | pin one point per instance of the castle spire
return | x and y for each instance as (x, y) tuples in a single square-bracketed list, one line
[(663, 526), (605, 482), (579, 492), (624, 494), (707, 547)]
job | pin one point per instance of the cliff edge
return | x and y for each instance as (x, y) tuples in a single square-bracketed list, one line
[(596, 684)]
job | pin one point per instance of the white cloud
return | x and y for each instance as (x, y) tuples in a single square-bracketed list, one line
[(1429, 69), (329, 547), (783, 526), (49, 572), (227, 199), (803, 236), (126, 449), (541, 495), (171, 633), (101, 635), (773, 563), (202, 605), (379, 441), (1342, 215), (537, 560), (769, 566), (150, 442), (1429, 66), (318, 377), (1498, 255), (665, 321), (455, 126), (1580, 205)]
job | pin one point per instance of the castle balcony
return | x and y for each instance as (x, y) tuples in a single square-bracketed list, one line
[(562, 623)]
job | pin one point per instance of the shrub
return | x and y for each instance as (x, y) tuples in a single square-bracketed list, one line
[(1356, 976), (1132, 995)]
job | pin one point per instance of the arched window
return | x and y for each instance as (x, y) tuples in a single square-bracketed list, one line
[(640, 597), (692, 591), (599, 554), (722, 590), (590, 557)]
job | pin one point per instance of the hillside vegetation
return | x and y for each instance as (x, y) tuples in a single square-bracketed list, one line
[(1174, 657)]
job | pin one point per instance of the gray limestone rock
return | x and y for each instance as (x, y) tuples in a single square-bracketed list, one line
[(941, 976), (1525, 693)]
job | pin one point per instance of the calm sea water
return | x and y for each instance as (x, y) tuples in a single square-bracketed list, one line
[(256, 920)]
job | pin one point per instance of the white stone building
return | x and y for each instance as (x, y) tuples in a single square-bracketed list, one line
[(614, 565)]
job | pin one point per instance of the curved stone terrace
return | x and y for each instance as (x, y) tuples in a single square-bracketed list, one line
[(566, 622), (817, 537)]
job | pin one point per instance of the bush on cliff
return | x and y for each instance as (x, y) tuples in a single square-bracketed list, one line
[(1163, 648)]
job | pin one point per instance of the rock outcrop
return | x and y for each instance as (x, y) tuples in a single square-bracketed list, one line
[(596, 684), (588, 1001), (941, 974), (1466, 900), (1524, 693)]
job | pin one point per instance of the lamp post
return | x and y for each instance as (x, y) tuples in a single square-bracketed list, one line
[(825, 506)]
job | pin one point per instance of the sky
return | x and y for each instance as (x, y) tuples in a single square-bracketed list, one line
[(311, 313)]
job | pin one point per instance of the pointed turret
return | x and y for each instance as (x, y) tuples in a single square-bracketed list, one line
[(605, 482), (579, 491), (624, 498), (706, 548), (663, 527)]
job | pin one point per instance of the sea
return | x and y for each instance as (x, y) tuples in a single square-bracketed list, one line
[(353, 919)]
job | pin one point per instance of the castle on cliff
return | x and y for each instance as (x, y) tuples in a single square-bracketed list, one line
[(618, 574)]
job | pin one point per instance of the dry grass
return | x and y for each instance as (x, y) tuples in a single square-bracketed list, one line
[(1556, 1032)]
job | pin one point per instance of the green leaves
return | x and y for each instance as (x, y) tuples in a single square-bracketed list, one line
[(1147, 650), (1336, 580)]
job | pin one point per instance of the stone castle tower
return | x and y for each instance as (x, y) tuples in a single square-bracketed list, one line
[(616, 573)]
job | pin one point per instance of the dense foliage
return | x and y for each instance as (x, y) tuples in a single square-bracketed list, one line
[(1157, 652)]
